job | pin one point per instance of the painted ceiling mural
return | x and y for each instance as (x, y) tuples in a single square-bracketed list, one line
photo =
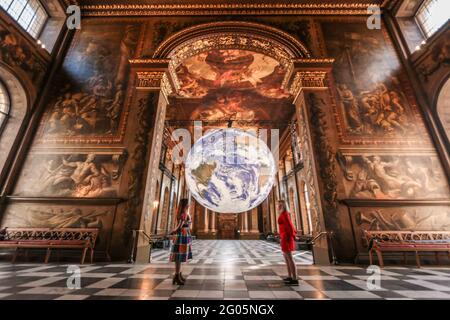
[(234, 69), (237, 85)]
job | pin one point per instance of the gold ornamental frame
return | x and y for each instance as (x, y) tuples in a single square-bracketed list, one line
[(221, 9)]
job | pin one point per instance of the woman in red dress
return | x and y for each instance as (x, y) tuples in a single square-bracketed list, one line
[(287, 241)]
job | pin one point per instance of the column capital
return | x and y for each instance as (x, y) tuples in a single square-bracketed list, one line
[(152, 75), (309, 74)]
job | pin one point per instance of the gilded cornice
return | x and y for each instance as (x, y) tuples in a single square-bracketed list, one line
[(315, 61), (226, 9), (149, 63), (308, 80)]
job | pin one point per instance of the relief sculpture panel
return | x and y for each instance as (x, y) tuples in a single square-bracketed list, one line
[(374, 99), (71, 175), (88, 102)]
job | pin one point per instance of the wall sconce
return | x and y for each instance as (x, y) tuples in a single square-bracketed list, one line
[(155, 204)]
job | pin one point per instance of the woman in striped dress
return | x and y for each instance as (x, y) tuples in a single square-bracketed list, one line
[(182, 241)]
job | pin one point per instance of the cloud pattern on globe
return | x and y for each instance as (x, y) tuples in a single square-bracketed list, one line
[(230, 171)]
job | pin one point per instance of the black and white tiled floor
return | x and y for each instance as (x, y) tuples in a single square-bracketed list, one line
[(248, 252), (221, 270)]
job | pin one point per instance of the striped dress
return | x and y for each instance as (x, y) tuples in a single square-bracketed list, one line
[(182, 242)]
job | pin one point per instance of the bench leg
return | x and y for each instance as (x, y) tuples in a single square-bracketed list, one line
[(47, 255), (92, 255), (83, 257), (437, 258), (380, 258), (405, 261), (417, 259)]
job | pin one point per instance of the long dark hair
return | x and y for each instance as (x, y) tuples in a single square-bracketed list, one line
[(184, 203)]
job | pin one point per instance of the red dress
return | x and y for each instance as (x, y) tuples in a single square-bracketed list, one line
[(287, 232)]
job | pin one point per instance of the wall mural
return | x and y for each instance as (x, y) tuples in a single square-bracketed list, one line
[(375, 100), (393, 177), (44, 216), (71, 175), (434, 218), (18, 54), (88, 102)]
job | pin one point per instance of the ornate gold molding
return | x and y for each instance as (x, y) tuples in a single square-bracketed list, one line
[(227, 9), (151, 74), (154, 80), (231, 27), (309, 80), (149, 61), (149, 79), (314, 61)]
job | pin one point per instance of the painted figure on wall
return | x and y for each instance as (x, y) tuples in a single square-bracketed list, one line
[(368, 83), (73, 218), (16, 53), (95, 73), (71, 176), (394, 177), (402, 220), (44, 216)]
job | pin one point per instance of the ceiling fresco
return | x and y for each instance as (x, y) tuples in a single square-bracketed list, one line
[(231, 85), (233, 69)]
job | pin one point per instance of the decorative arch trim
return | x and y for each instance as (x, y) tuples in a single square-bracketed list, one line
[(297, 49), (442, 109), (250, 36)]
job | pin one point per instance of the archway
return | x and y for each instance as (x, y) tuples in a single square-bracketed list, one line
[(443, 109), (18, 100), (228, 74)]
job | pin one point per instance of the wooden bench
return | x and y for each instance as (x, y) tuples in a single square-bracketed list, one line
[(49, 239), (407, 241)]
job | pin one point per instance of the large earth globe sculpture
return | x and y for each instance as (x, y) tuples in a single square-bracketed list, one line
[(230, 171)]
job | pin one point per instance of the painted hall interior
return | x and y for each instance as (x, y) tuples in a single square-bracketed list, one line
[(80, 146)]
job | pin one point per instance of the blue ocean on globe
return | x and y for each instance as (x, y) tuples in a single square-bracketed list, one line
[(230, 171)]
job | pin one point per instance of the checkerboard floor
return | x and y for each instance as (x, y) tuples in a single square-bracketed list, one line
[(221, 270)]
